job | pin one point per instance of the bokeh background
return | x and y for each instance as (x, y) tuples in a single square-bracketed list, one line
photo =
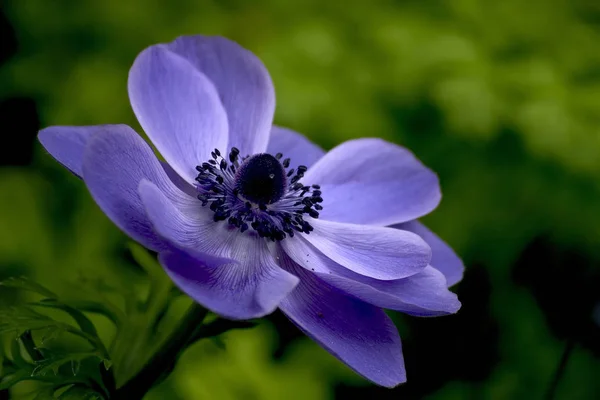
[(501, 98)]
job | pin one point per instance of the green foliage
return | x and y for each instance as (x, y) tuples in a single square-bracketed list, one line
[(240, 365), (76, 392), (41, 362)]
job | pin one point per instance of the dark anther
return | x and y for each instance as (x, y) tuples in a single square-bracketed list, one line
[(233, 154), (259, 192)]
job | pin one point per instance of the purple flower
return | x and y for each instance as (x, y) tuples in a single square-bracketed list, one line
[(248, 217)]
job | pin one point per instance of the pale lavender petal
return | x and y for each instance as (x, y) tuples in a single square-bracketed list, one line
[(377, 252), (370, 181), (443, 257), (191, 228), (360, 335), (250, 287), (422, 294), (294, 146), (115, 162), (231, 273), (243, 84), (66, 143), (178, 107)]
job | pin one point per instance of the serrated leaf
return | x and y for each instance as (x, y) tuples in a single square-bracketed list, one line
[(75, 365), (50, 333), (109, 311), (107, 363), (22, 318), (89, 294), (54, 360), (24, 283), (84, 323)]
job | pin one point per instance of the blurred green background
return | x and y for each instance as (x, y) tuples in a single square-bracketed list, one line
[(501, 98)]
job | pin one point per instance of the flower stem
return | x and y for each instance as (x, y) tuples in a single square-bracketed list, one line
[(560, 370), (163, 361)]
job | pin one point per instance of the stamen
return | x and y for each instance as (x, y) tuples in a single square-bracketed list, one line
[(258, 192)]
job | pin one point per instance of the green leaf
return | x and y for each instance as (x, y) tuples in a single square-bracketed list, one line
[(22, 318), (84, 323), (54, 360), (2, 357), (51, 333), (7, 367), (27, 341), (46, 393), (24, 283), (17, 355), (145, 260), (19, 319), (12, 379), (109, 311), (107, 363), (90, 294), (75, 366), (78, 392)]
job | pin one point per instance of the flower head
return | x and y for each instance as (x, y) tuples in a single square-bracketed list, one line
[(248, 217)]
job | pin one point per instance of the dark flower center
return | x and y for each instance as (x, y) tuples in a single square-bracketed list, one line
[(261, 179), (258, 192)]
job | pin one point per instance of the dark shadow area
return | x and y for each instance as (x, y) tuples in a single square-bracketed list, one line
[(286, 330), (8, 40), (566, 286), (460, 347), (19, 121)]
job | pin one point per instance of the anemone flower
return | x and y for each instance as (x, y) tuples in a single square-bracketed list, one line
[(248, 217)]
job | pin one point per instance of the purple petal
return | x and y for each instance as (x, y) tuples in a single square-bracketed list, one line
[(231, 273), (243, 83), (178, 181), (115, 161), (192, 227), (443, 257), (66, 143), (294, 146), (380, 253), (251, 287), (178, 107), (422, 294), (360, 335), (370, 181)]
